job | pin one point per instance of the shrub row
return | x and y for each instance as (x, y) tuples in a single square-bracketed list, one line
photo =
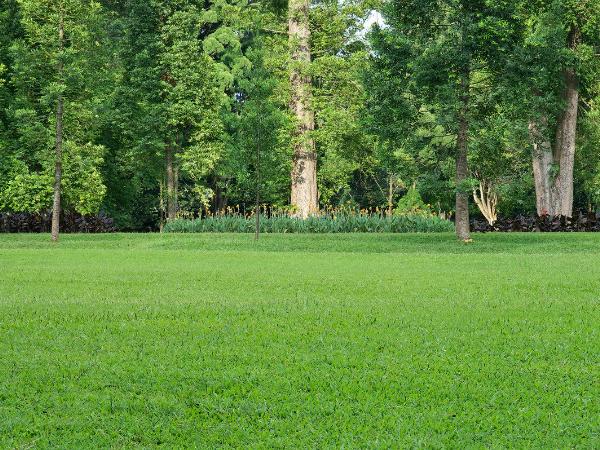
[(42, 222), (319, 224), (578, 223)]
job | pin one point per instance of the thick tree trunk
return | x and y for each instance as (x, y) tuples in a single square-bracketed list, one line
[(304, 164), (566, 136), (463, 230), (172, 182), (59, 145), (553, 168)]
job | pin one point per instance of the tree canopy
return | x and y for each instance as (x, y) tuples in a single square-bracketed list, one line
[(149, 109)]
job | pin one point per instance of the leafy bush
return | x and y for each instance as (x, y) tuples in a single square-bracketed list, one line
[(357, 223), (580, 222), (29, 192), (412, 205), (41, 223)]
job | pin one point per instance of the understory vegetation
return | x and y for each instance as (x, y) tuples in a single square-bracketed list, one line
[(343, 223), (298, 341), (148, 110)]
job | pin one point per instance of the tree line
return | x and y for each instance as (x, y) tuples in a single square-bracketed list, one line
[(153, 109)]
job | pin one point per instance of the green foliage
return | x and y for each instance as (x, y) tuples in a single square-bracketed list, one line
[(36, 83), (342, 223), (192, 98), (259, 129), (30, 192), (587, 162), (411, 204), (83, 184), (211, 81), (339, 60)]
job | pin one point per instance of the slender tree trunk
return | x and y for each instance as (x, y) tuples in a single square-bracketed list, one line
[(543, 159), (390, 199), (304, 164), (58, 142), (258, 186), (171, 182), (463, 231)]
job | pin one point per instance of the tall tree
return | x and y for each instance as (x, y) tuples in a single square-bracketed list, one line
[(304, 164), (440, 48), (192, 98), (557, 65), (10, 31), (134, 132), (340, 57), (57, 56), (180, 62), (202, 59)]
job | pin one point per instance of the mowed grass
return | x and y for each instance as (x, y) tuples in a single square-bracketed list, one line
[(300, 341)]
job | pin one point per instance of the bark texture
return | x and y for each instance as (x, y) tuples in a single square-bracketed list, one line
[(566, 135), (59, 144), (304, 165), (172, 182), (543, 163), (553, 166), (463, 231)]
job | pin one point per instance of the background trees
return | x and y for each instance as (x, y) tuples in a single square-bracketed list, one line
[(161, 100), (57, 75), (449, 54), (552, 72)]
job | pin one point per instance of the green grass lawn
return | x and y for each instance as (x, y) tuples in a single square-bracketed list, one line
[(303, 341)]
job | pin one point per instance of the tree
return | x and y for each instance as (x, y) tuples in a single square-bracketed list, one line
[(56, 58), (343, 144), (441, 48), (180, 61), (192, 99), (304, 164), (159, 108), (10, 30), (258, 125), (555, 66), (134, 128)]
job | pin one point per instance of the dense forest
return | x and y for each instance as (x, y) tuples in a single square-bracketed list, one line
[(148, 110)]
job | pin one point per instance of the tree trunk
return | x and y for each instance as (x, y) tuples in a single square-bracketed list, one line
[(172, 173), (463, 231), (258, 186), (390, 196), (304, 163), (543, 160), (59, 143), (554, 188), (566, 136)]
